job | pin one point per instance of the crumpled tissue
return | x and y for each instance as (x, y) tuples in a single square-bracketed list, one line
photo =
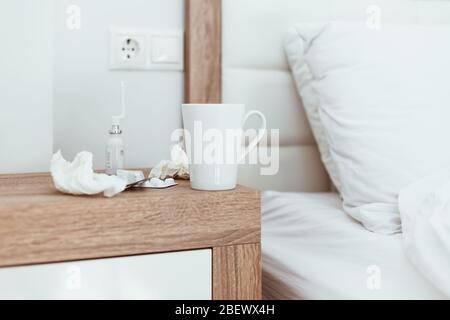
[(178, 167), (78, 177)]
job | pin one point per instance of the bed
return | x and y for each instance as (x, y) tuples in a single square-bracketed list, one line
[(311, 248)]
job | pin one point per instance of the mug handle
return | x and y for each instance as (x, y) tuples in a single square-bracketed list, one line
[(252, 145)]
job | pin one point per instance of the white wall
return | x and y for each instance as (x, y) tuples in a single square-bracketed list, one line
[(86, 93), (25, 85)]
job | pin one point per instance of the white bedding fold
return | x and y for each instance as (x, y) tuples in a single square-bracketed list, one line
[(425, 212), (313, 250)]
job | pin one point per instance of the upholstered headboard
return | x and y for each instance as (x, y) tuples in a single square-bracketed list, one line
[(254, 71)]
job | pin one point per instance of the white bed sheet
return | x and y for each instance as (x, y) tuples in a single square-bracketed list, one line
[(313, 250)]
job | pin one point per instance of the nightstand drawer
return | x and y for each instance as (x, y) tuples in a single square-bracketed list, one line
[(177, 275)]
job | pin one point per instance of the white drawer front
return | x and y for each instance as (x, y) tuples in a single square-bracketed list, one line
[(178, 275)]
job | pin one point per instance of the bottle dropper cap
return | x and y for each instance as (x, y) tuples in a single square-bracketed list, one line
[(116, 119)]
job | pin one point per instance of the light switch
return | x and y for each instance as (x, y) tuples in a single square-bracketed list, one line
[(165, 49)]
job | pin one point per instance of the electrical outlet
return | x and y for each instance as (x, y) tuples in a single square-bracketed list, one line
[(146, 49), (128, 49)]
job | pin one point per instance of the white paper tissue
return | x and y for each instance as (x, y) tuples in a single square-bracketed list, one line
[(178, 167), (79, 178)]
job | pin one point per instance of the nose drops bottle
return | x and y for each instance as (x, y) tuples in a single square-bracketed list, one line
[(115, 152)]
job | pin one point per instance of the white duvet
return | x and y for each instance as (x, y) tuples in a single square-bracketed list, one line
[(425, 212)]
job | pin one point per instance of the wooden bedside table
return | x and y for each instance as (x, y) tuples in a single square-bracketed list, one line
[(39, 225)]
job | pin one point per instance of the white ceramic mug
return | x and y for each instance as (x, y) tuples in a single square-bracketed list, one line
[(213, 137)]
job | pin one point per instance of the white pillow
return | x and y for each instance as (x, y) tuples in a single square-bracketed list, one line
[(379, 105)]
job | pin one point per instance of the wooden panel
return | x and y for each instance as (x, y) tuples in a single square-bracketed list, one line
[(38, 224), (203, 83), (237, 272)]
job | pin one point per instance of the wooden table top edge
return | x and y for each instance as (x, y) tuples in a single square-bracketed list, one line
[(35, 235)]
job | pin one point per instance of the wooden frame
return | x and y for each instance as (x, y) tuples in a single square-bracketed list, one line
[(203, 51), (237, 272), (236, 269)]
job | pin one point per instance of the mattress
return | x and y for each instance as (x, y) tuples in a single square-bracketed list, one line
[(313, 250)]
